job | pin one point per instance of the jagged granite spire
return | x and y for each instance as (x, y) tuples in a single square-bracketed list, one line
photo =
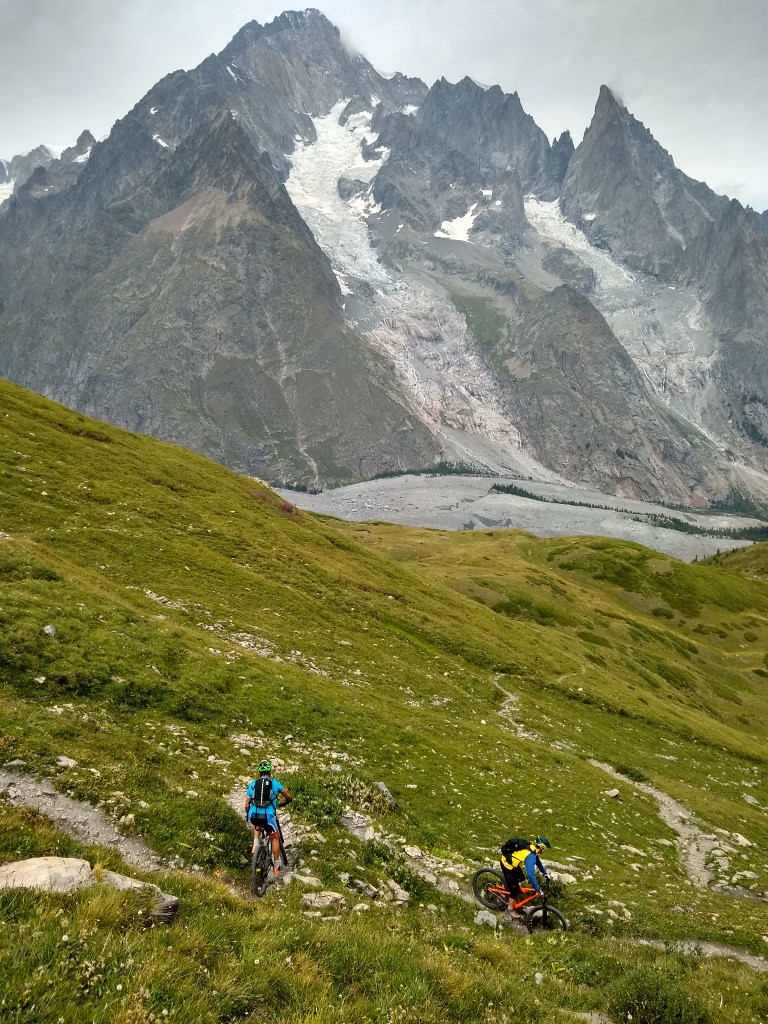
[(624, 190)]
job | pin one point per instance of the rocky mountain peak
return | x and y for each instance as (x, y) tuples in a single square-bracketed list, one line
[(83, 146), (623, 189), (489, 128)]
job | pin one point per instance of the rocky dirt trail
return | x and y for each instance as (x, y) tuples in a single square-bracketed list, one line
[(76, 818), (695, 845)]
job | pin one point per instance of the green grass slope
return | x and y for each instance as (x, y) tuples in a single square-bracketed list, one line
[(201, 623)]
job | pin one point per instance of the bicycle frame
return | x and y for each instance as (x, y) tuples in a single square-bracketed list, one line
[(528, 895)]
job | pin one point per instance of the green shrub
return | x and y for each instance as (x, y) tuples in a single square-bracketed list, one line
[(647, 996), (222, 835), (631, 773), (662, 613), (593, 638)]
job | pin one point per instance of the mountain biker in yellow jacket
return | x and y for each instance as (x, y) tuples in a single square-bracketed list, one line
[(519, 858)]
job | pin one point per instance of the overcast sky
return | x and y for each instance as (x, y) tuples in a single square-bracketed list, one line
[(694, 71)]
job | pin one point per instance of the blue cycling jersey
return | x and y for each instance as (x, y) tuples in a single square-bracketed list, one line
[(270, 811)]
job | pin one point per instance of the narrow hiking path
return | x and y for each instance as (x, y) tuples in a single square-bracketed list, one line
[(694, 845), (76, 818)]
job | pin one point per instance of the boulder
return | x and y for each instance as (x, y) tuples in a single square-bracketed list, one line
[(363, 887), (309, 880), (69, 874), (486, 917), (358, 825), (322, 900), (49, 874), (398, 893), (390, 799)]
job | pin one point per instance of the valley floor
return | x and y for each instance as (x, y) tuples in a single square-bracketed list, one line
[(467, 502)]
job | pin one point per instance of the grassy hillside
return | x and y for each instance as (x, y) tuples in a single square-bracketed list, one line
[(201, 623)]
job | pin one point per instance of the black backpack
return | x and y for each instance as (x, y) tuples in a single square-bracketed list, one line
[(513, 845), (262, 794)]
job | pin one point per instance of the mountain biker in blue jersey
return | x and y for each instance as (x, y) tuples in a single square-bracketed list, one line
[(261, 807), (519, 856)]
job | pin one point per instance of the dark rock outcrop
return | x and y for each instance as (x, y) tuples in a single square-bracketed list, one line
[(198, 308)]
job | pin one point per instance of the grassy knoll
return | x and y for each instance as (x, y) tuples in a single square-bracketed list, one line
[(201, 623)]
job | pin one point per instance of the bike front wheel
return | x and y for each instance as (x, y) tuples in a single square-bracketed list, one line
[(259, 873), (481, 881), (545, 919)]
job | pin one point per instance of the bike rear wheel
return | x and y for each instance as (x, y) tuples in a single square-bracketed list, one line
[(259, 871), (545, 919), (481, 880), (283, 854)]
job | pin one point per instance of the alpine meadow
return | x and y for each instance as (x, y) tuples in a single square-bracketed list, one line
[(491, 680), (333, 405)]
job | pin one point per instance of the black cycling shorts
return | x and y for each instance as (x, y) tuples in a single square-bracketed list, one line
[(513, 879), (263, 824)]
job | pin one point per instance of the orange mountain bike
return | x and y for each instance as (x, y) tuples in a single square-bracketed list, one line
[(488, 886)]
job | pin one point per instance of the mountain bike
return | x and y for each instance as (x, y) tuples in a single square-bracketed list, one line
[(262, 860), (489, 888)]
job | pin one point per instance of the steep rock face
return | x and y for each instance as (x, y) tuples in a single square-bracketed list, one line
[(462, 144), (489, 128), (215, 322), (582, 406), (275, 78), (729, 264), (427, 182), (5, 175), (81, 149), (624, 191), (21, 167)]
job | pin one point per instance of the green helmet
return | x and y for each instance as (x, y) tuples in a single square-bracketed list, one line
[(543, 841), (266, 766)]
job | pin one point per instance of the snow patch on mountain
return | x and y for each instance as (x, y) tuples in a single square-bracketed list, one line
[(664, 330), (313, 186), (459, 228), (6, 191)]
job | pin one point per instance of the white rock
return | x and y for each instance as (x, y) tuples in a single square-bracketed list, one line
[(51, 874), (400, 895), (486, 917), (308, 880), (322, 900), (360, 906), (412, 851), (614, 793), (16, 763), (740, 840), (65, 762), (562, 876), (49, 630), (538, 978)]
